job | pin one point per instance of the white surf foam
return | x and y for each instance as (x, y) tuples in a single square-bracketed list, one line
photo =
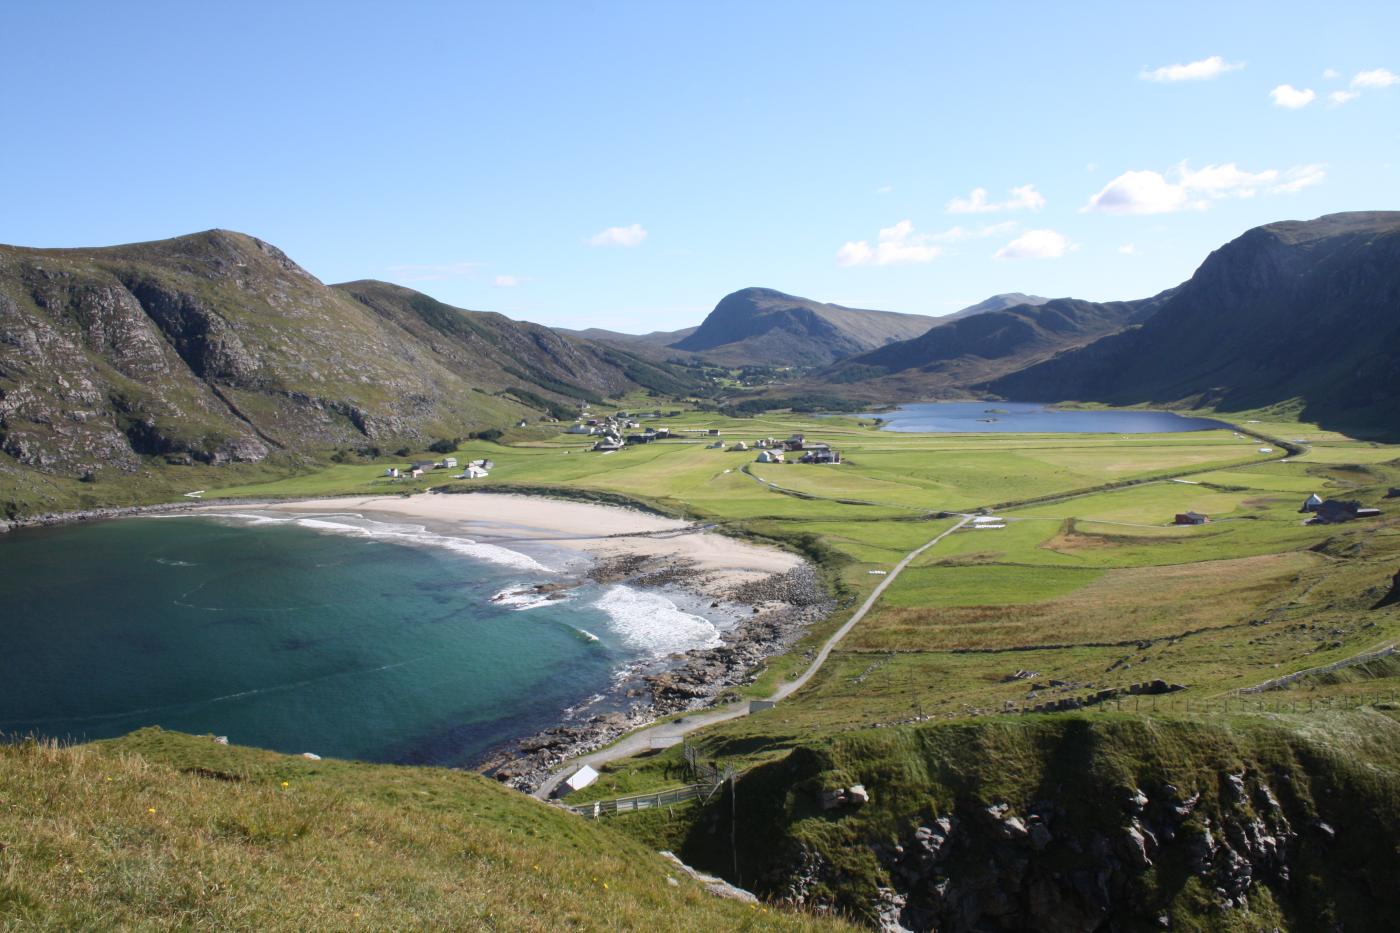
[(649, 623), (521, 599), (358, 525)]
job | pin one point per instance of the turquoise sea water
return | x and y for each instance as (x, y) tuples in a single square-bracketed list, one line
[(333, 635), (1034, 418)]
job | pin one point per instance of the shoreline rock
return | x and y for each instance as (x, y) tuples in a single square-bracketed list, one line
[(784, 606)]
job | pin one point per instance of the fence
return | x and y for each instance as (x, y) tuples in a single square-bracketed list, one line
[(711, 779), (665, 798)]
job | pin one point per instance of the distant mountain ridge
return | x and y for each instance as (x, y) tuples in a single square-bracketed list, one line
[(995, 303), (1301, 312), (987, 343), (763, 325)]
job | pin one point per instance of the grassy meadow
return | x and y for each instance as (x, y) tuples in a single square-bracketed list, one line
[(158, 831)]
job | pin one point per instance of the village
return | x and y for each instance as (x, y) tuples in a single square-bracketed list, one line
[(614, 432)]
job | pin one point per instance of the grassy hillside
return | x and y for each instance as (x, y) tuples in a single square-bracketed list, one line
[(1074, 822), (122, 365), (165, 831)]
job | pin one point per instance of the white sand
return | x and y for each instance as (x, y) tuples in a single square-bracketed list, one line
[(601, 530)]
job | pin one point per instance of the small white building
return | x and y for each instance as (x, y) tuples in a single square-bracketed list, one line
[(581, 428), (769, 456), (578, 780), (449, 462), (392, 472), (741, 446), (1311, 503)]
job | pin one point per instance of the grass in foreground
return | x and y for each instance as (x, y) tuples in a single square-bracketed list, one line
[(165, 831)]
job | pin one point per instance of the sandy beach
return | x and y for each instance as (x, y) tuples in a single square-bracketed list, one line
[(718, 564)]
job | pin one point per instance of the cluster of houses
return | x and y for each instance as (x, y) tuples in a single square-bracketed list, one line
[(1335, 511), (612, 431), (771, 450), (1323, 511), (475, 469)]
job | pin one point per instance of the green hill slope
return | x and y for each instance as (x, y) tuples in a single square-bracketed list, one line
[(216, 348), (164, 831), (1078, 823)]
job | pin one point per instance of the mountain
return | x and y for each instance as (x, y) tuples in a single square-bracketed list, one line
[(656, 340), (216, 347), (995, 303), (760, 325), (1298, 312), (985, 344)]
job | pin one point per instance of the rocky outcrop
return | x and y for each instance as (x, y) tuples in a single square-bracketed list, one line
[(1071, 823)]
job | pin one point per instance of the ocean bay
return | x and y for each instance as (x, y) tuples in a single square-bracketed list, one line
[(320, 634)]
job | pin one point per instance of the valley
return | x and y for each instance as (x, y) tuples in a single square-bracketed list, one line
[(1133, 599)]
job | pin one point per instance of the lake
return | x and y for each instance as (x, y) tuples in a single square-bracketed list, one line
[(329, 634), (1035, 418)]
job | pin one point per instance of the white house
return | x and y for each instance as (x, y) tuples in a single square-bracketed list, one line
[(449, 462), (578, 780), (583, 429), (770, 456)]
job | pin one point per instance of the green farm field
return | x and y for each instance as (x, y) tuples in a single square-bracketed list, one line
[(1087, 585)]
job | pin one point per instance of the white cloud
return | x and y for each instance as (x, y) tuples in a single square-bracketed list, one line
[(1149, 192), (1376, 77), (508, 281), (897, 245), (1021, 198), (1145, 192), (1218, 181), (1337, 98), (1128, 249), (884, 189), (1203, 70), (1037, 244), (435, 273), (1331, 74), (631, 235), (1291, 98), (1298, 178)]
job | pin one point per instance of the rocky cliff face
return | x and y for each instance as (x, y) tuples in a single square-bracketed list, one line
[(216, 347), (1072, 824), (1307, 312)]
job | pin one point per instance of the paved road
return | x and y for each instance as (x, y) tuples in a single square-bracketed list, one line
[(639, 741)]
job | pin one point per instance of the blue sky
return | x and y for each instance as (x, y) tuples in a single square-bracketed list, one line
[(627, 164)]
